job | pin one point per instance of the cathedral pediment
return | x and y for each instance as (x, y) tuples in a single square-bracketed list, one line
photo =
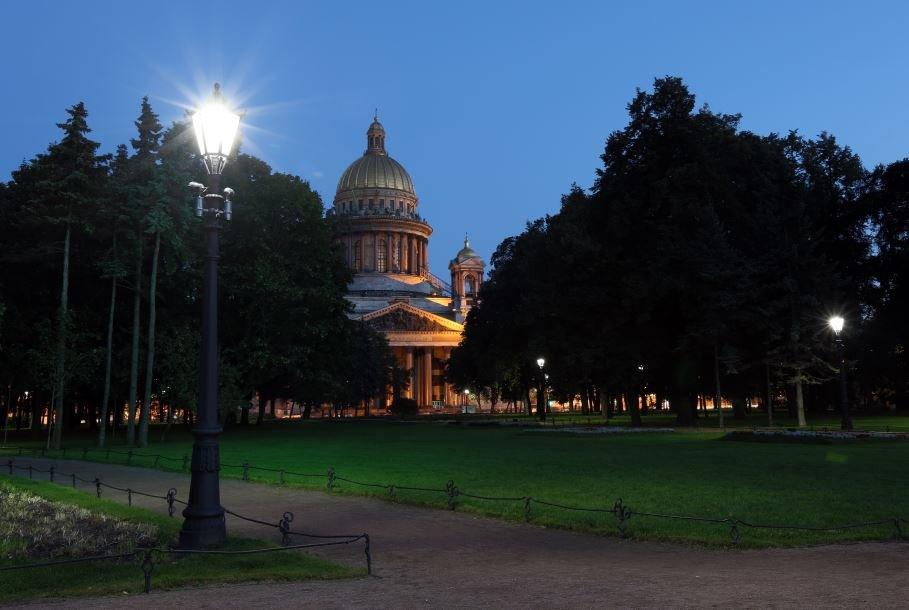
[(400, 316)]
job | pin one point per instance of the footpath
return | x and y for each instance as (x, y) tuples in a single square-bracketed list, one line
[(438, 558)]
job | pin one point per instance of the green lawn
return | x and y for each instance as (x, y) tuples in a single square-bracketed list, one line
[(126, 577), (685, 473)]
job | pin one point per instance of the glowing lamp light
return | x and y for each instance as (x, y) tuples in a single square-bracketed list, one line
[(216, 129), (541, 362), (836, 323), (466, 392)]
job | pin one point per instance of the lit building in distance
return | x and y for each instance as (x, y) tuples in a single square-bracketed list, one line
[(386, 244)]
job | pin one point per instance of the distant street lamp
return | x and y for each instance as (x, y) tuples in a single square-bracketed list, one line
[(216, 128), (541, 390), (836, 324)]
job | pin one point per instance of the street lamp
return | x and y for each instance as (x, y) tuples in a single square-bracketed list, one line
[(203, 525), (541, 399), (836, 324)]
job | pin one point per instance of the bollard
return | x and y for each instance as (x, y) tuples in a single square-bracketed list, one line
[(527, 502), (331, 478), (281, 477), (98, 487), (734, 532), (392, 493), (129, 496), (74, 480), (246, 470)]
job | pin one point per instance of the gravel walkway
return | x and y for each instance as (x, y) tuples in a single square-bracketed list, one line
[(431, 557)]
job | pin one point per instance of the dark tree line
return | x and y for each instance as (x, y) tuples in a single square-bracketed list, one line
[(704, 261), (100, 279)]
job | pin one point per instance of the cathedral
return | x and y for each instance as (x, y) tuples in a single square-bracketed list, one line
[(385, 240)]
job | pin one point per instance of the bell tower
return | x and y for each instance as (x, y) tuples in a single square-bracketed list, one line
[(466, 278)]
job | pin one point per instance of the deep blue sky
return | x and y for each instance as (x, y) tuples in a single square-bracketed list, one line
[(494, 107)]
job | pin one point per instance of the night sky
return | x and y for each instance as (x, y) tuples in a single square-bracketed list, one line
[(494, 108)]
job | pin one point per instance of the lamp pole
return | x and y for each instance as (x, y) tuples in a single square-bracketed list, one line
[(541, 391), (203, 524), (837, 323)]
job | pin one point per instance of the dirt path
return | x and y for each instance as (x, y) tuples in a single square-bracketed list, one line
[(430, 557)]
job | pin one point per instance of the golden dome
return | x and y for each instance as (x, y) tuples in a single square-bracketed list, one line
[(375, 169)]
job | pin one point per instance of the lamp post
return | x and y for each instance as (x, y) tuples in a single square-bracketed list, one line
[(836, 324), (215, 127), (541, 391)]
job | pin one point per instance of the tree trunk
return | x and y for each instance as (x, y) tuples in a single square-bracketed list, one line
[(768, 397), (717, 395), (61, 342), (150, 345), (631, 403), (527, 404), (134, 356), (107, 363), (800, 401), (738, 407), (585, 400)]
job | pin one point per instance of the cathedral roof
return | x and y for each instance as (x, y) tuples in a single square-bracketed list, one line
[(375, 169)]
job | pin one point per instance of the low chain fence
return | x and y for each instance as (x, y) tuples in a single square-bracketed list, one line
[(621, 512), (149, 555)]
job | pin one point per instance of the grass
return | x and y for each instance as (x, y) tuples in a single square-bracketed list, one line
[(126, 577), (684, 473)]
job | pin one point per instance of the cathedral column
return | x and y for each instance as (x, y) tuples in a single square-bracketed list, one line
[(375, 250), (427, 375), (408, 366), (425, 254)]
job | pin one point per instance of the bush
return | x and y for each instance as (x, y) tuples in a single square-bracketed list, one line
[(404, 407)]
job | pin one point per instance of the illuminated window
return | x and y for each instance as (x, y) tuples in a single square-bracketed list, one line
[(358, 256), (381, 258)]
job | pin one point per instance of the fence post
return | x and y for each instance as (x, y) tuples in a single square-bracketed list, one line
[(129, 496), (452, 492), (97, 487), (734, 531), (284, 526), (51, 471), (171, 497), (527, 502), (147, 567), (622, 514), (74, 480), (281, 477), (331, 478), (246, 470)]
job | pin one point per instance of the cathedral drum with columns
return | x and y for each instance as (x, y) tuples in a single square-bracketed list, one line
[(386, 245)]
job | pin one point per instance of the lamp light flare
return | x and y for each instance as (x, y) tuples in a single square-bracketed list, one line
[(836, 323), (541, 362), (216, 129)]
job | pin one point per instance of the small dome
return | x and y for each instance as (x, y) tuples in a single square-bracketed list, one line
[(466, 252)]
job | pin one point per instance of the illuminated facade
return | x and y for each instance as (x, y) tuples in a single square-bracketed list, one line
[(386, 245)]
